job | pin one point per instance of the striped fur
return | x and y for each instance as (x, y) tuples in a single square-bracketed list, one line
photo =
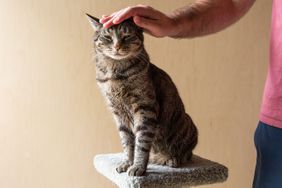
[(145, 103)]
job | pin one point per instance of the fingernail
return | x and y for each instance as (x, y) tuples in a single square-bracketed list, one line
[(115, 20)]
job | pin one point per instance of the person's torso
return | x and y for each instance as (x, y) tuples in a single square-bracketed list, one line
[(272, 101)]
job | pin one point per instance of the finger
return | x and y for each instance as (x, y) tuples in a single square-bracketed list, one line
[(143, 11), (125, 14), (104, 18), (117, 19), (118, 15), (109, 21)]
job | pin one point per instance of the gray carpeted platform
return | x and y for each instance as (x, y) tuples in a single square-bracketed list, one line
[(198, 171)]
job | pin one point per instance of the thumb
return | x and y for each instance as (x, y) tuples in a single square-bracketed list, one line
[(145, 23)]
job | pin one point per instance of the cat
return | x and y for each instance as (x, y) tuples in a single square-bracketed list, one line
[(145, 103)]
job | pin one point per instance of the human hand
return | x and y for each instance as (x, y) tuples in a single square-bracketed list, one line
[(151, 20)]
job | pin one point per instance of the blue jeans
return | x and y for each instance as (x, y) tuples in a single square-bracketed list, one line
[(268, 141)]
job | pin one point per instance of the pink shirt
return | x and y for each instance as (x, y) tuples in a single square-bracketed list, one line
[(271, 110)]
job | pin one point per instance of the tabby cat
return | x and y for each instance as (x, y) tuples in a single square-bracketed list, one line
[(145, 103)]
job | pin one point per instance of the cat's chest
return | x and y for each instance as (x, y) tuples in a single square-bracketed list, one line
[(115, 91)]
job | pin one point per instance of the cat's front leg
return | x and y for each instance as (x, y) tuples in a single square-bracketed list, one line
[(145, 124), (127, 141)]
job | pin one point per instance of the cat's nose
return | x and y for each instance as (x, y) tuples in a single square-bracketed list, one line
[(117, 45)]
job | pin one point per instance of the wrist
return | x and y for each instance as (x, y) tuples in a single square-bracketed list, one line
[(182, 20), (174, 27)]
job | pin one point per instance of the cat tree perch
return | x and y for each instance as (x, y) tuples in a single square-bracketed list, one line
[(198, 171)]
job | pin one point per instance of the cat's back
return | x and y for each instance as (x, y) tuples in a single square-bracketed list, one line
[(164, 86)]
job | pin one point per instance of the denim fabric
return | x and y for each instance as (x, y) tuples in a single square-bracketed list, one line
[(268, 172)]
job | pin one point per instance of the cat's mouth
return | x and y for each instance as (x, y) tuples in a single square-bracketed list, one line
[(121, 55), (118, 55)]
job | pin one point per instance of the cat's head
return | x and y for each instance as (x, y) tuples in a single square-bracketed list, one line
[(122, 41)]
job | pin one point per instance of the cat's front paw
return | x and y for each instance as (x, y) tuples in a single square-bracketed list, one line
[(123, 166), (136, 170), (172, 163)]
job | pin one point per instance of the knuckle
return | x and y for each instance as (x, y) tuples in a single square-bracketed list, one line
[(143, 6), (132, 9), (147, 7)]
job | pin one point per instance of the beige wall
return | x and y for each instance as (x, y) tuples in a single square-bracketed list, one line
[(53, 119)]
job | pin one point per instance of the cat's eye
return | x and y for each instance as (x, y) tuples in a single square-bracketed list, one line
[(128, 37), (107, 37)]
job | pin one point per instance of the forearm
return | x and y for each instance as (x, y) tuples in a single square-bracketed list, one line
[(208, 16)]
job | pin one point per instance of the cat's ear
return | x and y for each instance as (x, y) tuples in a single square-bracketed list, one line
[(94, 22)]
